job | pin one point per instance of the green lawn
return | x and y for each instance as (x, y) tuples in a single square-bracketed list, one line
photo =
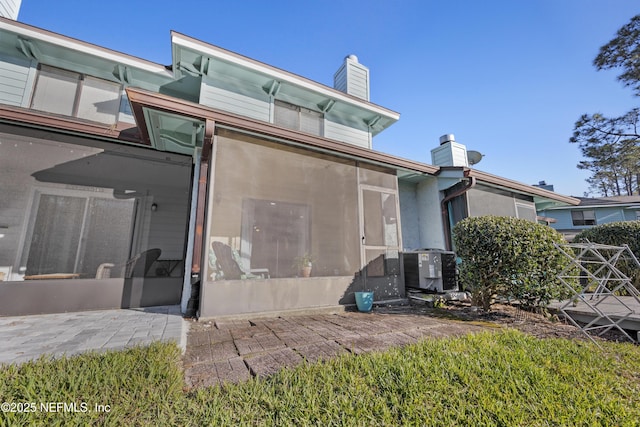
[(503, 378)]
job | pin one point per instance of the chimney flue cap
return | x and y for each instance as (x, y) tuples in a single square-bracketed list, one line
[(446, 138)]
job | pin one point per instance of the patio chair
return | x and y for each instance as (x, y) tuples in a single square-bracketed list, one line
[(136, 266), (227, 261)]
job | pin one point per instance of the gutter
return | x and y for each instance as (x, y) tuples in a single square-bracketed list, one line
[(444, 209)]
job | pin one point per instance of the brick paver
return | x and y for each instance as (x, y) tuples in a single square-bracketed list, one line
[(234, 350)]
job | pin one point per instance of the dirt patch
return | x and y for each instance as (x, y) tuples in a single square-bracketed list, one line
[(537, 324)]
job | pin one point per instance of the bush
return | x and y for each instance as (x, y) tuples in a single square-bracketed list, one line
[(617, 234), (511, 257)]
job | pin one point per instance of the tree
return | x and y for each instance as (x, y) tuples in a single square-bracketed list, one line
[(623, 52), (612, 149), (611, 146)]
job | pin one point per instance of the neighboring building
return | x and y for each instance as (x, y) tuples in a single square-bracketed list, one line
[(125, 182), (571, 220), (543, 184)]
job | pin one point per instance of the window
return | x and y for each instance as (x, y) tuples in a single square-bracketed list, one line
[(298, 118), (74, 94), (526, 211), (583, 217), (75, 233)]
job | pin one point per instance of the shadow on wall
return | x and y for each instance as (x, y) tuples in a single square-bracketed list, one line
[(148, 283), (380, 276)]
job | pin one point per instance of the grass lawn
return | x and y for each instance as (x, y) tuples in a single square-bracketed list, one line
[(503, 378)]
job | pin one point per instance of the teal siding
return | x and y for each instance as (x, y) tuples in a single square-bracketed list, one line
[(339, 132), (605, 215), (563, 219), (631, 214), (255, 106), (14, 80)]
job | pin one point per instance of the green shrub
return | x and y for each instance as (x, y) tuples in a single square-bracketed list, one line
[(510, 257), (617, 234)]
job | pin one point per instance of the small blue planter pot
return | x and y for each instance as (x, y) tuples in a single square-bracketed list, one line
[(364, 301)]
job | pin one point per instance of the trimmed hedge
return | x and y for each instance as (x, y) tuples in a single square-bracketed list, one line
[(511, 257), (616, 234)]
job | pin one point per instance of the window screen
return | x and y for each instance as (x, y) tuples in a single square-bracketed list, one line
[(298, 118), (583, 217), (72, 94), (274, 204), (286, 115), (99, 100), (55, 91), (76, 234), (310, 121), (526, 211)]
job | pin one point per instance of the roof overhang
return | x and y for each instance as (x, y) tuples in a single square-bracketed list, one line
[(544, 199), (591, 207), (147, 106), (57, 50), (25, 117), (196, 58)]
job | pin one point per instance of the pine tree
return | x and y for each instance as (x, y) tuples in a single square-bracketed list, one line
[(611, 146)]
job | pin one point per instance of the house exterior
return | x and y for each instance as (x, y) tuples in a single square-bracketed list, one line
[(591, 211), (127, 183)]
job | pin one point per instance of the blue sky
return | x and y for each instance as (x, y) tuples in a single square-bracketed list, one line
[(508, 78)]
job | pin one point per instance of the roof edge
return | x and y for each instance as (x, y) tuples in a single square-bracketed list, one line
[(244, 61), (519, 186), (141, 98), (82, 46)]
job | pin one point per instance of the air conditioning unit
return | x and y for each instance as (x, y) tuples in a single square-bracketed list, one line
[(431, 270)]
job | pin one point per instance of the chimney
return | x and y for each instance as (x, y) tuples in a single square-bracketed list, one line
[(352, 78), (449, 153)]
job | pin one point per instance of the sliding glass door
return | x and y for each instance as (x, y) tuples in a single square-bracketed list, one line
[(75, 234)]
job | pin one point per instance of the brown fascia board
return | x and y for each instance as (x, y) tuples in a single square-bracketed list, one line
[(293, 76), (32, 118), (141, 98), (520, 187)]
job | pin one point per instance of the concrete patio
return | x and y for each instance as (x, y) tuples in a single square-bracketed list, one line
[(27, 337)]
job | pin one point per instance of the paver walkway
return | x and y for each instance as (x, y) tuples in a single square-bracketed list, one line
[(234, 350), (25, 338)]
